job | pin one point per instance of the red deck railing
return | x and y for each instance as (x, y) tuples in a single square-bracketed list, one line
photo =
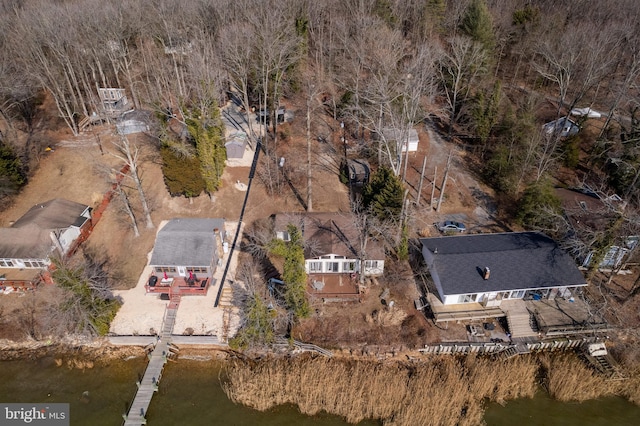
[(180, 286)]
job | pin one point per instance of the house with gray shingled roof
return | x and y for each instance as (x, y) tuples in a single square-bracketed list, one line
[(46, 229), (187, 246), (490, 268)]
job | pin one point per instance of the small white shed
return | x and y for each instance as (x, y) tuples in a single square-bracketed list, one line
[(405, 139)]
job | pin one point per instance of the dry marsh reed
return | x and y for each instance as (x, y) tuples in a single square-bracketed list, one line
[(440, 391), (567, 378)]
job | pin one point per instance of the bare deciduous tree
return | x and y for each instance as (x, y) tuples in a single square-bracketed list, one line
[(129, 153), (461, 65)]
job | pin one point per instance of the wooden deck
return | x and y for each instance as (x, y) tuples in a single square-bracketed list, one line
[(561, 317), (461, 312), (179, 285), (334, 287)]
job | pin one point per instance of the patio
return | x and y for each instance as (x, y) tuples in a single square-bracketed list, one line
[(178, 286)]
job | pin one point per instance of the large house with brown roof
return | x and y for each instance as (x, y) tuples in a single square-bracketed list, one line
[(48, 229), (335, 253)]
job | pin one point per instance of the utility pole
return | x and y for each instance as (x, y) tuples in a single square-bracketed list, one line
[(309, 202), (444, 180), (433, 188), (424, 166), (344, 141)]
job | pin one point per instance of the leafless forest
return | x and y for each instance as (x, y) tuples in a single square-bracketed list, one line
[(486, 74), (489, 72)]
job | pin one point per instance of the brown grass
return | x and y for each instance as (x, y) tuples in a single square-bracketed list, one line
[(567, 378), (441, 391)]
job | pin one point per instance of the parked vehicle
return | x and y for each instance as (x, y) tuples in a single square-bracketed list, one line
[(451, 226)]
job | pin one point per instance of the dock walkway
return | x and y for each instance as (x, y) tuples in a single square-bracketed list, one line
[(149, 384)]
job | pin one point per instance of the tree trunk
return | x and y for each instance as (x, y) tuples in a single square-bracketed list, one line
[(127, 208)]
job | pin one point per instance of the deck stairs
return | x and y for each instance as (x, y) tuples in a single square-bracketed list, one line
[(513, 350), (519, 319)]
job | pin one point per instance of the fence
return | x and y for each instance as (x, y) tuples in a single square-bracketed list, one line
[(493, 348)]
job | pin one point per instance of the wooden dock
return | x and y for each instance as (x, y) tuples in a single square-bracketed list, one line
[(157, 359)]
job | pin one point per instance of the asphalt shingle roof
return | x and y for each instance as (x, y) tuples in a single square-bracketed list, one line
[(53, 214), (186, 242), (332, 233), (29, 237), (517, 261)]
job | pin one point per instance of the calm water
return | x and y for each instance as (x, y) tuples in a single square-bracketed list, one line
[(190, 394)]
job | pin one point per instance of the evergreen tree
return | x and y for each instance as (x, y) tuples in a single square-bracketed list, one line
[(477, 24), (181, 174), (383, 195), (537, 205), (11, 174), (208, 134), (294, 274), (258, 328), (485, 112)]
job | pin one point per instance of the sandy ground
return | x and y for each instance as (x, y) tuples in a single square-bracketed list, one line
[(142, 313)]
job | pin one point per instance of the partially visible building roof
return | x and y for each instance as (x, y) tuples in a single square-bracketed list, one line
[(392, 134), (330, 233), (135, 121), (564, 127), (517, 261), (27, 242), (586, 210), (186, 242), (53, 214)]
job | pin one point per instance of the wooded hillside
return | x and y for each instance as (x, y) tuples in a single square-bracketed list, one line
[(489, 73)]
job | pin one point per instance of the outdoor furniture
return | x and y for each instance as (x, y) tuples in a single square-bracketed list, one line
[(153, 280)]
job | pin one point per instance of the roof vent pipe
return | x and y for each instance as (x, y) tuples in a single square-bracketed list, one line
[(487, 273)]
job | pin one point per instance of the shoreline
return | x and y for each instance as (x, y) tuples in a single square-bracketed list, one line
[(464, 380)]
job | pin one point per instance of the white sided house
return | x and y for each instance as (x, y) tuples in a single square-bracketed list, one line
[(332, 244), (490, 268), (187, 246), (47, 229)]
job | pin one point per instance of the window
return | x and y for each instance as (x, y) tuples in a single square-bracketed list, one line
[(6, 263), (338, 257), (325, 257), (283, 235), (519, 294), (349, 266), (315, 266), (197, 269), (467, 298), (165, 269), (333, 267), (371, 264)]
